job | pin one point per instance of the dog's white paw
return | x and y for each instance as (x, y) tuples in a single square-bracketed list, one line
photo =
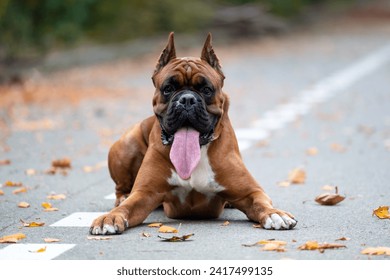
[(275, 221)]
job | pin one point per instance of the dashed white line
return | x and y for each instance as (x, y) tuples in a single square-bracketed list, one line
[(78, 219), (320, 92), (28, 251)]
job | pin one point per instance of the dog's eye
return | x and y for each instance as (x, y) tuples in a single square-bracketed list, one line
[(207, 91), (168, 89)]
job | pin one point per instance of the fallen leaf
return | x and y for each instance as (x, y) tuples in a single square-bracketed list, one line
[(5, 162), (12, 238), (40, 250), (329, 198), (61, 163), (297, 176), (284, 184), (1, 192), (99, 237), (314, 245), (376, 251), (32, 224), (269, 245), (226, 223), (167, 229), (176, 238), (146, 234), (23, 204), (51, 240), (382, 212), (46, 205), (257, 226), (56, 196), (20, 190), (30, 172), (312, 151), (343, 239), (338, 148), (155, 225), (274, 247), (13, 184)]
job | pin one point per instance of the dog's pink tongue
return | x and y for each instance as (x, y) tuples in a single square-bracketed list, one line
[(185, 151)]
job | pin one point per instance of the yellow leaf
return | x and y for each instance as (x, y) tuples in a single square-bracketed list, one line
[(23, 204), (314, 245), (12, 238), (32, 224), (40, 250), (155, 225), (56, 196), (13, 184), (46, 205), (297, 176), (269, 241), (382, 212), (167, 229), (51, 240), (309, 245), (376, 251)]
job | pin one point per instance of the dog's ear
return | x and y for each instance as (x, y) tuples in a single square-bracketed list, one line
[(167, 54), (210, 57)]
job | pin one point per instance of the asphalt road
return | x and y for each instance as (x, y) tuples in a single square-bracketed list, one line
[(325, 87)]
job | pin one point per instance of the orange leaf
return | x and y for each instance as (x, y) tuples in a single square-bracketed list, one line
[(12, 238), (56, 196), (155, 225), (20, 190), (1, 192), (51, 240), (13, 184), (226, 223), (314, 245), (297, 176), (382, 212), (40, 250), (309, 245), (46, 205), (376, 251), (61, 163), (23, 204), (167, 229)]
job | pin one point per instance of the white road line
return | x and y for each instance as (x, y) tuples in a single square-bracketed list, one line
[(320, 92), (28, 251), (78, 219)]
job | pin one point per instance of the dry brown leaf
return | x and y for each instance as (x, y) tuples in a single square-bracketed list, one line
[(167, 229), (158, 225), (226, 223), (20, 190), (23, 204), (312, 151), (40, 250), (12, 238), (376, 251), (13, 184), (51, 240), (146, 234), (176, 238), (99, 237), (329, 198), (32, 224), (56, 196), (269, 245), (297, 176), (5, 162), (61, 163), (382, 212), (314, 245), (257, 226), (1, 192), (343, 239)]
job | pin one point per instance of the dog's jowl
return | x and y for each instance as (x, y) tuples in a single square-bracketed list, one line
[(185, 157)]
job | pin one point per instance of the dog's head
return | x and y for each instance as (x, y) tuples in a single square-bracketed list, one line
[(188, 93)]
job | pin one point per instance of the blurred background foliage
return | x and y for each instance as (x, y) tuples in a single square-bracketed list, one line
[(31, 28)]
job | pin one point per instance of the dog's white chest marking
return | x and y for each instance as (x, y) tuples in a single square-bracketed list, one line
[(202, 180)]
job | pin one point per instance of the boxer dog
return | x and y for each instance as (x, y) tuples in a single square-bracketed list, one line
[(185, 157)]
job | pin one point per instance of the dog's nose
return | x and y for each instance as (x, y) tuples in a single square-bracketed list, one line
[(188, 100)]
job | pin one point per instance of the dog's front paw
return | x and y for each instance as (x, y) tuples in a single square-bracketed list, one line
[(110, 223), (277, 219)]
